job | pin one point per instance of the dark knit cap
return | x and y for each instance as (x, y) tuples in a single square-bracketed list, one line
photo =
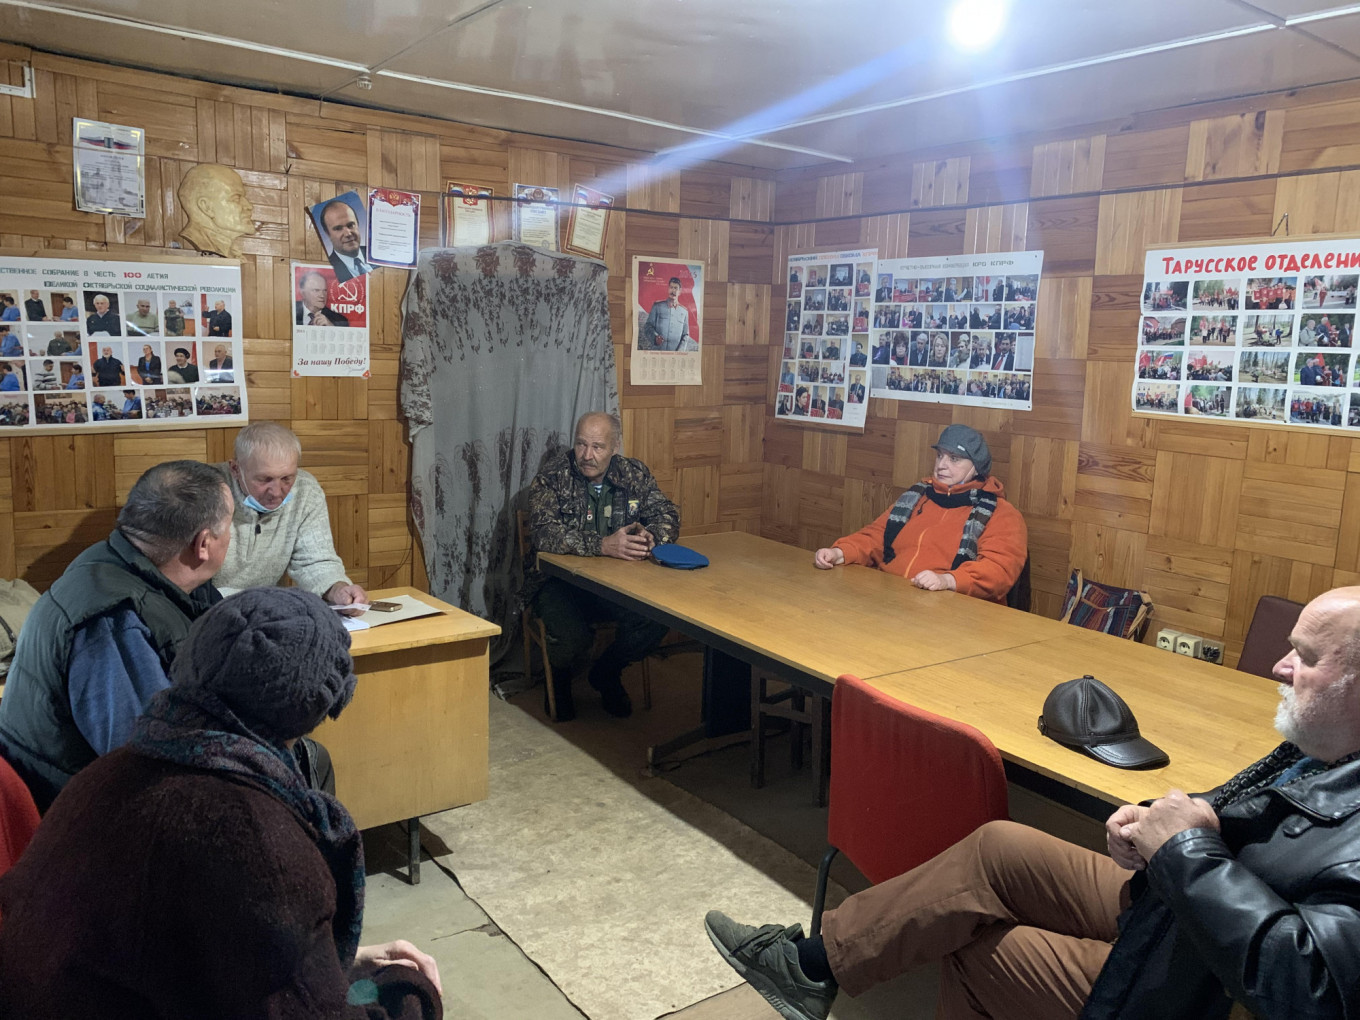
[(963, 441), (277, 657)]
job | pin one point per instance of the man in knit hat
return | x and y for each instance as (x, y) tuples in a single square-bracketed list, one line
[(953, 531), (213, 881)]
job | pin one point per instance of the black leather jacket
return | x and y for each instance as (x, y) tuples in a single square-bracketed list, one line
[(1267, 912)]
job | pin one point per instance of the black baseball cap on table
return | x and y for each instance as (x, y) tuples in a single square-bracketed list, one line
[(1086, 715)]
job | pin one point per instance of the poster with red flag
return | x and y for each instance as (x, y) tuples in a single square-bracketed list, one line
[(665, 343)]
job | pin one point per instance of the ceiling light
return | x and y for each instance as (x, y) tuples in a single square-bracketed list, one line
[(975, 24)]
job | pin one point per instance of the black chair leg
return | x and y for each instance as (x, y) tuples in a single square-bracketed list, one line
[(819, 899)]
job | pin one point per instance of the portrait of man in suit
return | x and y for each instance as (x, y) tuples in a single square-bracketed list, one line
[(340, 225)]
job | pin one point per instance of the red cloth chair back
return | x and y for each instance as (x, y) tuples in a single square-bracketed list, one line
[(905, 783), (18, 816)]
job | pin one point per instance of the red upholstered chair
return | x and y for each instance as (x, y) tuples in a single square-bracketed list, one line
[(905, 784), (18, 816)]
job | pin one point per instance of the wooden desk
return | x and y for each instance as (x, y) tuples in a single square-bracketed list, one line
[(1210, 720), (765, 603), (414, 739)]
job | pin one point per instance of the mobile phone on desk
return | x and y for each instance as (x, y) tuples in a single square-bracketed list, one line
[(385, 607)]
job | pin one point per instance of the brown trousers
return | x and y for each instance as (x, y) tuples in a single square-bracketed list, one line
[(1021, 921)]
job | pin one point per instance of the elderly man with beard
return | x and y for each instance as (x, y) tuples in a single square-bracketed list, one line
[(1248, 894)]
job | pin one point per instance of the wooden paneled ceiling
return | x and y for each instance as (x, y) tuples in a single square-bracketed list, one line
[(769, 83)]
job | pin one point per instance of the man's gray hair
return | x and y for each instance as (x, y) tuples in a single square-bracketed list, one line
[(264, 437), (302, 280), (171, 504), (615, 426)]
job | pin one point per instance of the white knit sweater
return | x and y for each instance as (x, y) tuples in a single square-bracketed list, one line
[(295, 539)]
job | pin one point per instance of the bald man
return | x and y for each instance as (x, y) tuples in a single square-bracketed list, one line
[(1250, 894), (593, 501)]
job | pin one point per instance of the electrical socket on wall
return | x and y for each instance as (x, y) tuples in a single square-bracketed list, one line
[(1189, 644), (1166, 638), (1211, 651)]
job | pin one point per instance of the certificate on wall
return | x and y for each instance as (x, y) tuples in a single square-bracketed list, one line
[(536, 216), (393, 227), (589, 223), (119, 344), (330, 323), (1261, 333), (824, 373), (668, 313), (110, 167), (956, 329), (467, 216)]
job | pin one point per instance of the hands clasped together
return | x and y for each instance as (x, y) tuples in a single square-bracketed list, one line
[(1135, 832)]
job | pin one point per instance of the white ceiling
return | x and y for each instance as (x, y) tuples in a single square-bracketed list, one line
[(770, 83)]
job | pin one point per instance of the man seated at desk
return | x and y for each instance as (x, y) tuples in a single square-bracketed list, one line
[(99, 643), (953, 531), (595, 502), (1246, 895), (280, 524)]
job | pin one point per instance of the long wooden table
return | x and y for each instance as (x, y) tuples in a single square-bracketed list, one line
[(1211, 721), (414, 739), (764, 603)]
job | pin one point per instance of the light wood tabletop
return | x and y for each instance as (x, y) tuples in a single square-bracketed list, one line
[(768, 597), (450, 624), (1212, 721)]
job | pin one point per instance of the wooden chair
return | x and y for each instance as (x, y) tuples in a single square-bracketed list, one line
[(1267, 640), (805, 713), (536, 634), (905, 785)]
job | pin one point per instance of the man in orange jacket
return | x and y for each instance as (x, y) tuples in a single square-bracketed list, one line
[(953, 531)]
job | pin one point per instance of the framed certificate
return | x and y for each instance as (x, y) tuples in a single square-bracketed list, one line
[(588, 225)]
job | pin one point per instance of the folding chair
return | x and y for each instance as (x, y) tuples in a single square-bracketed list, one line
[(906, 784), (18, 816), (1267, 640)]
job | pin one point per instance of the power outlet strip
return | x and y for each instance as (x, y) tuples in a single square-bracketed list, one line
[(1166, 638)]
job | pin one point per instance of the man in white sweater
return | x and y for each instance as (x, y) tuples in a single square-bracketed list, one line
[(280, 524)]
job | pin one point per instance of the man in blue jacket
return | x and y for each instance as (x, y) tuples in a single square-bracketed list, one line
[(1250, 894)]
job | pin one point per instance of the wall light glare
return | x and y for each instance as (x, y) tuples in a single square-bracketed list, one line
[(975, 24)]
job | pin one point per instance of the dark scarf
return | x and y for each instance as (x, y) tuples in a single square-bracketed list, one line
[(1266, 772), (982, 502), (193, 727)]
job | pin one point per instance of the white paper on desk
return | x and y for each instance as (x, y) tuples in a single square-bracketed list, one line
[(353, 623), (411, 608)]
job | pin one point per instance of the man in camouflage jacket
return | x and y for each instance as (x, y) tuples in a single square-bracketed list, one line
[(595, 502)]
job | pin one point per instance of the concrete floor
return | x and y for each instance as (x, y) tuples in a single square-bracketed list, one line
[(487, 977)]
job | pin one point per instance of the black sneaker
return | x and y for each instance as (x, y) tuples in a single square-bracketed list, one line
[(768, 959)]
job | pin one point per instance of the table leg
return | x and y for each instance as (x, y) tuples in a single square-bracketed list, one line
[(726, 705), (413, 850)]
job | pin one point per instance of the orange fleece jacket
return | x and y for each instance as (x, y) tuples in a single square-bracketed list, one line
[(930, 541)]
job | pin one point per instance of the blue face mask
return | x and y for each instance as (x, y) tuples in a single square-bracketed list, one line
[(257, 506)]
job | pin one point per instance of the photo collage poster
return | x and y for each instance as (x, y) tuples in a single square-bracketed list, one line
[(824, 373), (98, 343), (330, 322), (956, 329), (1251, 332)]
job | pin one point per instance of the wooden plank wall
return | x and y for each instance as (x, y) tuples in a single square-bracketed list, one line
[(59, 494), (1206, 518)]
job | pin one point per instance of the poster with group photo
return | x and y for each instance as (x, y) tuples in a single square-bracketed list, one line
[(665, 342), (824, 373), (119, 343), (330, 322), (956, 329), (1251, 333)]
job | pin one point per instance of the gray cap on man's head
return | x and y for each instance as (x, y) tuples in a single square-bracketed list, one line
[(963, 441)]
